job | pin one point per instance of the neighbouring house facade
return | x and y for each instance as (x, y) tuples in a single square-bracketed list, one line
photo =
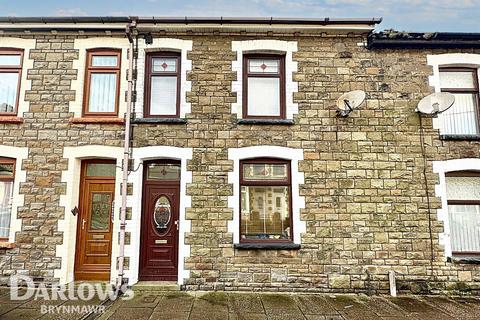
[(240, 174)]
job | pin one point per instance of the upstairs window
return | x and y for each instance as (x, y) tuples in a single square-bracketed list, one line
[(264, 86), (162, 85), (463, 118), (266, 205), (7, 173), (10, 76), (102, 85), (463, 195)]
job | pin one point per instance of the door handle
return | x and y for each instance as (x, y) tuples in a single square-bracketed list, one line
[(83, 223), (176, 223)]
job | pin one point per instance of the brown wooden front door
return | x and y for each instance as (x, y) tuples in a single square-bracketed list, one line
[(94, 225), (159, 230)]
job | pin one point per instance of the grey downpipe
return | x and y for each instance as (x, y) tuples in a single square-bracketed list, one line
[(126, 156)]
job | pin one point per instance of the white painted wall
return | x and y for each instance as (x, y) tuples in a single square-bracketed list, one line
[(258, 46), (298, 202), (68, 225), (78, 85), (442, 167), (25, 84), (19, 154), (449, 60), (165, 44), (135, 201)]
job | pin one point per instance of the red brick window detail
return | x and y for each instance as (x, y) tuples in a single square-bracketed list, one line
[(265, 201), (10, 78), (7, 174), (162, 85), (102, 83), (264, 86), (463, 118), (463, 198)]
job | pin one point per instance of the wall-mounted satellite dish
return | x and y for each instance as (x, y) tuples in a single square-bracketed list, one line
[(349, 101), (436, 103)]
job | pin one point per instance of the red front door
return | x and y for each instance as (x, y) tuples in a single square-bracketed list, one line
[(160, 221)]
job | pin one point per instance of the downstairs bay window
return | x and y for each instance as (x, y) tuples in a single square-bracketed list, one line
[(463, 194), (265, 204), (7, 173)]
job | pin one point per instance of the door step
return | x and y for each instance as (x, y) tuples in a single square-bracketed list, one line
[(156, 286)]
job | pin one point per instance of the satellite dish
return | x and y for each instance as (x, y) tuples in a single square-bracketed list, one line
[(349, 101), (436, 103)]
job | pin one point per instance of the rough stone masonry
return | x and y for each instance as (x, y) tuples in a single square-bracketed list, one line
[(366, 209)]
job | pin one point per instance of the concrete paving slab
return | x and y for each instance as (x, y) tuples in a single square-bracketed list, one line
[(314, 305), (247, 316), (169, 315), (471, 304), (145, 299), (175, 302), (319, 317), (382, 307), (5, 307), (450, 307), (17, 314), (413, 305), (245, 303), (279, 305), (131, 313), (212, 305)]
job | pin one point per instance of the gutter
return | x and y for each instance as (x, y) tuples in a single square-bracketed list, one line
[(117, 24), (126, 157), (247, 20)]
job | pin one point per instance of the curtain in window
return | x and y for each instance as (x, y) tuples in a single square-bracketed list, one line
[(103, 89), (265, 213), (263, 96), (6, 189), (465, 227), (8, 91), (461, 118), (163, 96)]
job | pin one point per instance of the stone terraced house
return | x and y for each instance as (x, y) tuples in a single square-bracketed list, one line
[(240, 174)]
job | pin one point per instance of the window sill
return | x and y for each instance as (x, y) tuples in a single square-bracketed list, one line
[(11, 119), (160, 120), (266, 121), (460, 137), (6, 245), (464, 260), (98, 120), (267, 246)]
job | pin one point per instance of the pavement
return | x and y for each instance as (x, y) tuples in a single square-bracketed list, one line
[(246, 306)]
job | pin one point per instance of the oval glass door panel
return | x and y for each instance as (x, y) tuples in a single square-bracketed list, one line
[(162, 214)]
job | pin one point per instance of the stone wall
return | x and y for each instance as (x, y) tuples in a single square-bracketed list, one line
[(366, 207)]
